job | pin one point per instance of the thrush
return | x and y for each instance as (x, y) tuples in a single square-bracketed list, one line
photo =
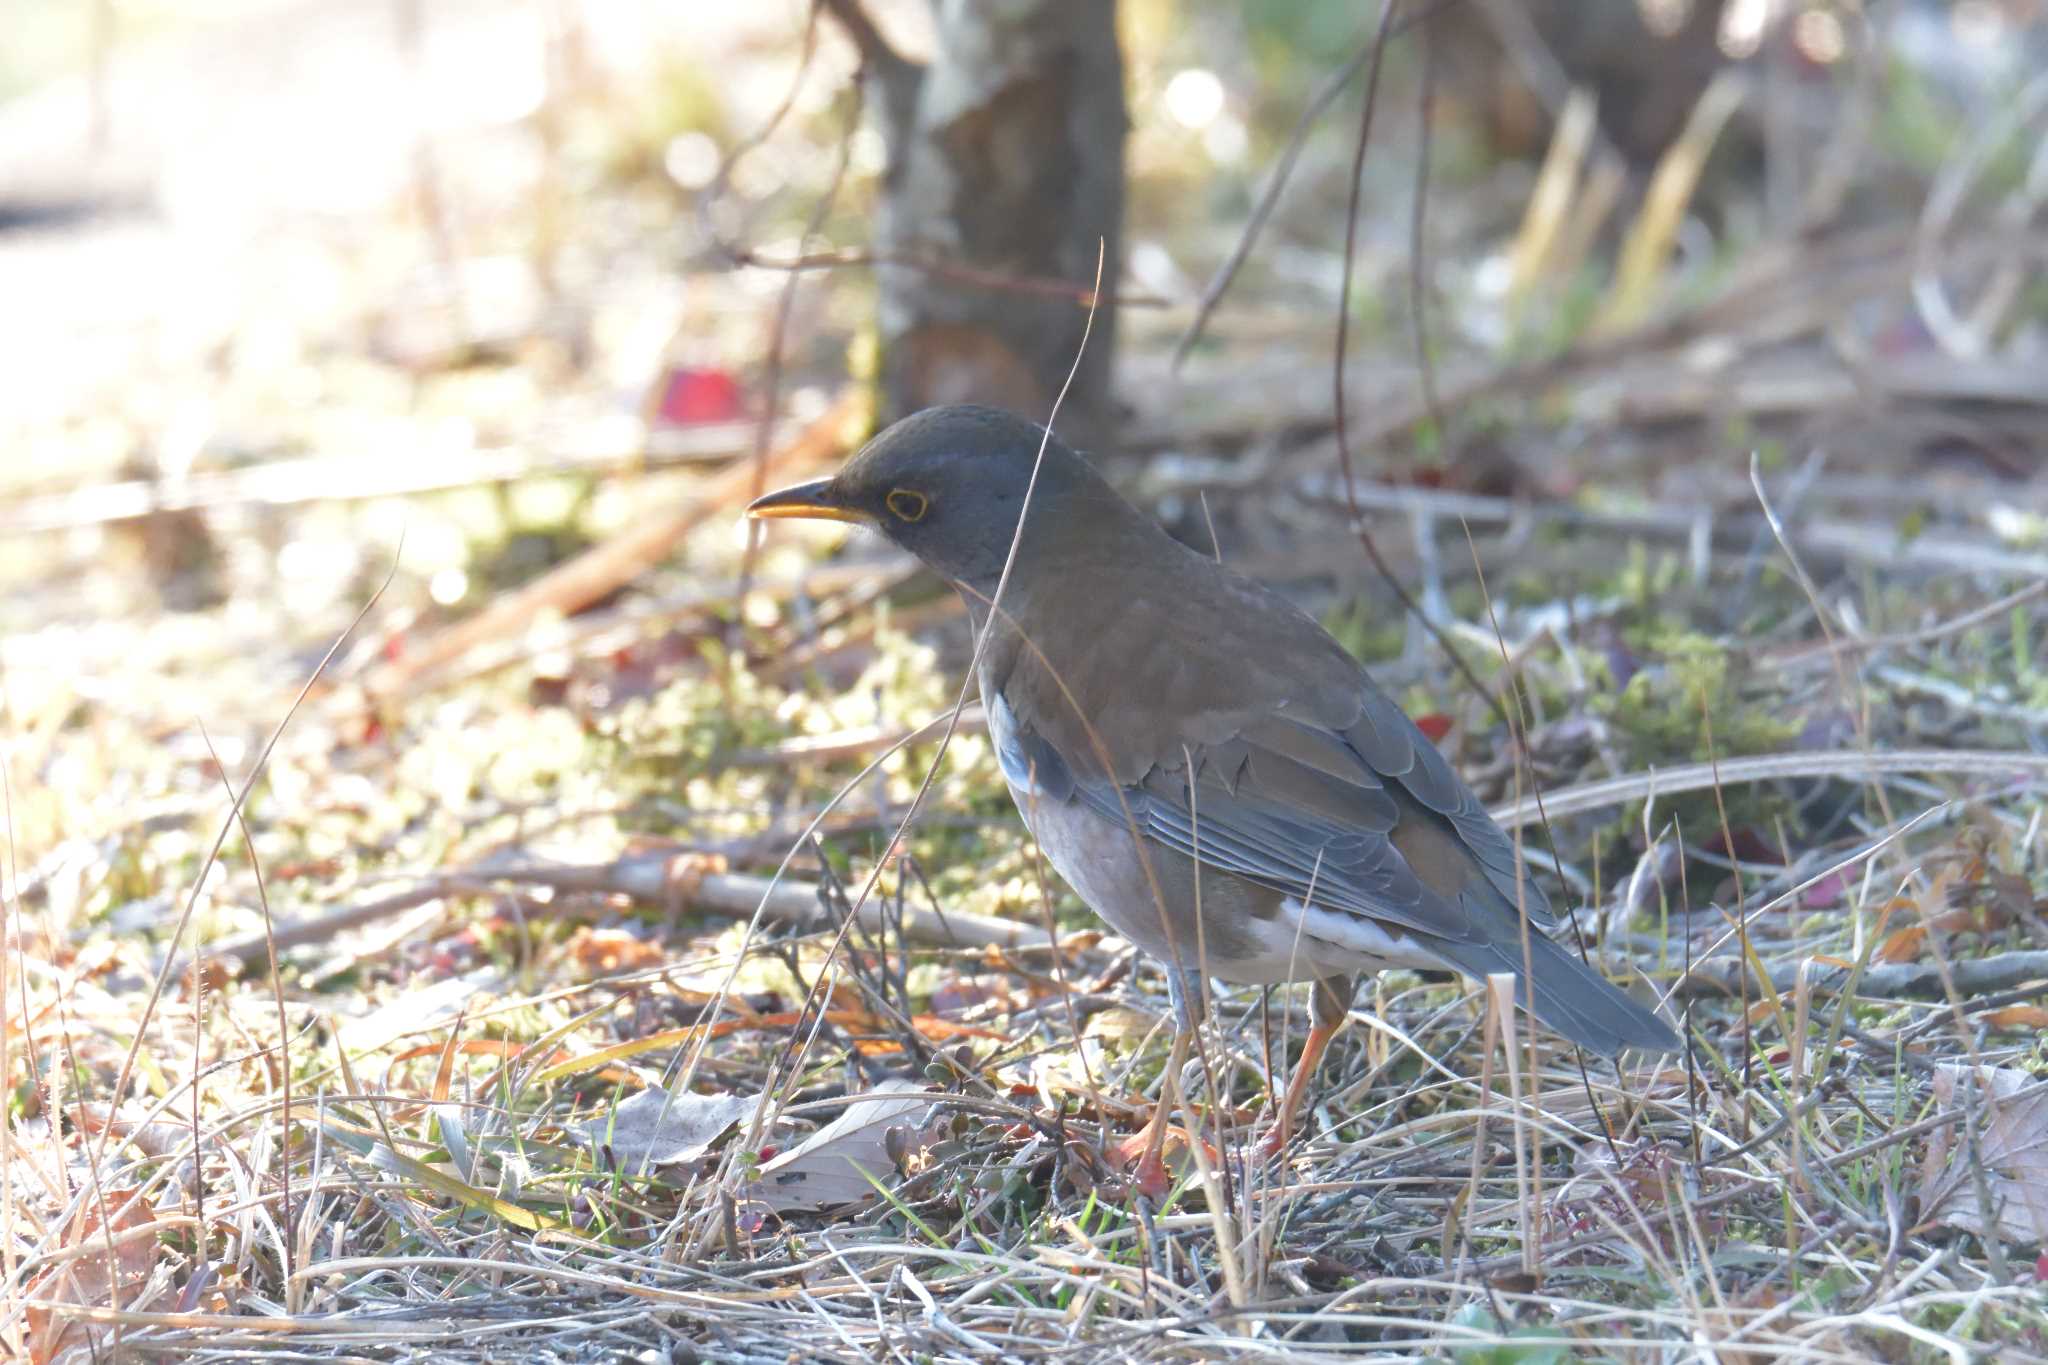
[(1211, 771)]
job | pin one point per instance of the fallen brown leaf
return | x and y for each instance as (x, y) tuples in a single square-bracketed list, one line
[(92, 1278), (1902, 946), (2013, 1148), (606, 951), (831, 1167), (656, 1128)]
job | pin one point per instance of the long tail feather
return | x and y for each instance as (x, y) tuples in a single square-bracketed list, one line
[(1566, 994)]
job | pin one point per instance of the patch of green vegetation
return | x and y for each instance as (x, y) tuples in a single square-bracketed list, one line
[(1646, 579), (1280, 31), (2023, 651), (2032, 302), (678, 95), (1773, 454), (540, 525), (1429, 440), (668, 755), (1666, 709), (675, 734), (1687, 702), (1915, 122)]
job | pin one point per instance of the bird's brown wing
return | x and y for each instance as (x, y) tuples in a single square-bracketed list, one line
[(1305, 811), (1299, 758), (1283, 806), (1279, 762)]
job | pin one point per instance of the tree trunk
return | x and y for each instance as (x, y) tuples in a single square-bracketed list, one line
[(1004, 180)]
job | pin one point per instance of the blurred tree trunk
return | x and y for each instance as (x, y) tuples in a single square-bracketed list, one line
[(1005, 176)]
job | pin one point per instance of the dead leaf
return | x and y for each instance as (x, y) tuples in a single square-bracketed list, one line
[(826, 1169), (1906, 944), (1119, 1022), (151, 1139), (604, 952), (2013, 1147), (2018, 1018), (655, 1128), (1902, 946), (92, 1279), (959, 994)]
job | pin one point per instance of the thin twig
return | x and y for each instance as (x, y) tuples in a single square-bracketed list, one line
[(771, 383), (1358, 523), (256, 771), (284, 1028), (1884, 981), (1269, 194), (1418, 244), (1840, 764)]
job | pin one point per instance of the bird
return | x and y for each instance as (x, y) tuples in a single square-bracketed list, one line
[(1212, 773)]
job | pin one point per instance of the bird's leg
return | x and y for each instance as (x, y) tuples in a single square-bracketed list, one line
[(1332, 1004), (1143, 1150)]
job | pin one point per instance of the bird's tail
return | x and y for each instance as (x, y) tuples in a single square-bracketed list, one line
[(1566, 994)]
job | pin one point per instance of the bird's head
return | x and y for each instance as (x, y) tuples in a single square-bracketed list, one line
[(946, 484)]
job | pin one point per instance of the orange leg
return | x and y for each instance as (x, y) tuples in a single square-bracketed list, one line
[(1276, 1137), (1143, 1151), (1332, 1003)]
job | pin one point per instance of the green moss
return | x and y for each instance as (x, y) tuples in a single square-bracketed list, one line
[(1689, 692)]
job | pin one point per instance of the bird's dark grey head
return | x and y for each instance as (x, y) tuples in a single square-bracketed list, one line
[(946, 484)]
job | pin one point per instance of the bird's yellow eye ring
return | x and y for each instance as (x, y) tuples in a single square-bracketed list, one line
[(907, 504)]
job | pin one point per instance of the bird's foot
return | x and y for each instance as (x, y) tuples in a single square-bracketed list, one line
[(1272, 1144), (1327, 1022), (1142, 1156), (1148, 1176)]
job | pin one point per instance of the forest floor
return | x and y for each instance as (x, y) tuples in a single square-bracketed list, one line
[(466, 899)]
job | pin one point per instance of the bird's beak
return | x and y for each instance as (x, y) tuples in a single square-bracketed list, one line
[(817, 500)]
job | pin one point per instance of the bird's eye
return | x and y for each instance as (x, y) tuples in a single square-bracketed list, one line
[(908, 504)]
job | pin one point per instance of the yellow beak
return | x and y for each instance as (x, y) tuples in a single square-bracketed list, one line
[(816, 501)]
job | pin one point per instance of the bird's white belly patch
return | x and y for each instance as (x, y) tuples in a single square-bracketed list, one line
[(1339, 939), (1298, 944)]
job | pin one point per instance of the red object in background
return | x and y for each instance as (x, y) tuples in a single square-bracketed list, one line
[(1436, 725), (699, 395), (1829, 890)]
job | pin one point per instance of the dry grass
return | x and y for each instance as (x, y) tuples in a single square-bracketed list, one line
[(432, 1153), (468, 1025)]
